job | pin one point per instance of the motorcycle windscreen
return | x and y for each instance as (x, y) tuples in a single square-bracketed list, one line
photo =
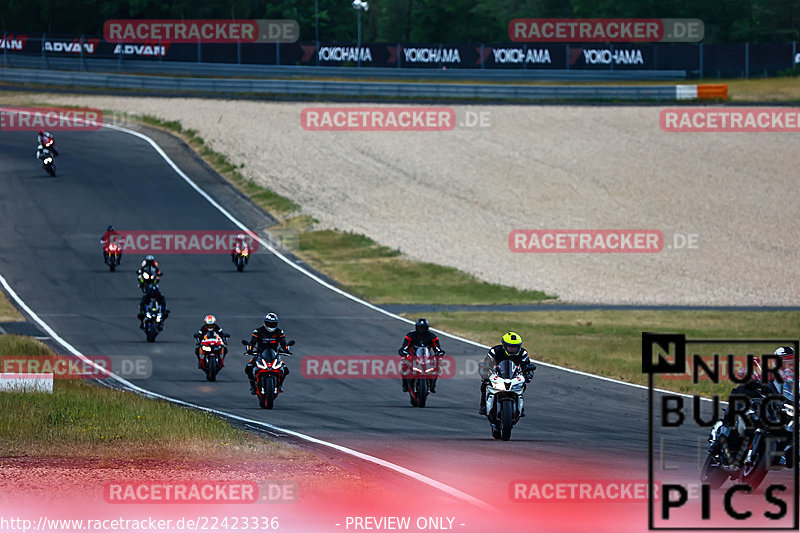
[(507, 369), (269, 355)]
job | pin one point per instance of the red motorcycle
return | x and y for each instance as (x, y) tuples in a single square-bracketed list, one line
[(212, 350), (268, 372), (112, 251), (241, 256)]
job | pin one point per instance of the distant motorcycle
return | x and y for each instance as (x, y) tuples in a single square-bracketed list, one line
[(149, 276), (424, 368), (241, 257), (212, 351), (267, 373), (112, 252), (504, 398), (46, 157), (153, 320)]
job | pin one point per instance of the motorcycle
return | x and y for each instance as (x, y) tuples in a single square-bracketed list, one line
[(48, 164), (213, 350), (113, 255), (424, 369), (148, 277), (761, 441), (50, 144), (267, 373), (153, 320), (504, 398), (241, 257)]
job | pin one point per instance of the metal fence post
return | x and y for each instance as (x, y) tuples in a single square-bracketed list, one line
[(701, 60), (567, 60), (278, 53), (747, 60), (83, 63), (199, 53), (5, 50), (44, 58), (399, 60), (482, 56)]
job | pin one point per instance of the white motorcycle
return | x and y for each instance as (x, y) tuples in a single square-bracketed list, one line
[(504, 398)]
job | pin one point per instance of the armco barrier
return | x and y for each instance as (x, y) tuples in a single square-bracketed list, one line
[(296, 88), (133, 66)]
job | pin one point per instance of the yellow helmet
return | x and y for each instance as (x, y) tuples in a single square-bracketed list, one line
[(512, 342)]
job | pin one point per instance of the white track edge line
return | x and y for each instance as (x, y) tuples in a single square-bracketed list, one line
[(450, 491)]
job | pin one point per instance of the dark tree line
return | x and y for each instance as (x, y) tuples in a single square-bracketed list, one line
[(420, 21)]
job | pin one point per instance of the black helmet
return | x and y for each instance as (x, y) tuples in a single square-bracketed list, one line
[(271, 322), (422, 326), (110, 228), (150, 259)]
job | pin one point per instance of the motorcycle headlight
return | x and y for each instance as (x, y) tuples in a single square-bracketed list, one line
[(146, 275), (148, 315), (206, 348), (261, 364), (431, 370), (48, 160), (158, 317)]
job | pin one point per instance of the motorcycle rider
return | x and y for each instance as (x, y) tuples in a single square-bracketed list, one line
[(152, 293), (149, 261), (510, 347), (44, 135), (420, 337), (743, 394), (106, 239), (209, 325), (240, 242), (267, 336)]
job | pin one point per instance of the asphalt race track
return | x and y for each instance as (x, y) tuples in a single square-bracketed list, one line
[(51, 256)]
